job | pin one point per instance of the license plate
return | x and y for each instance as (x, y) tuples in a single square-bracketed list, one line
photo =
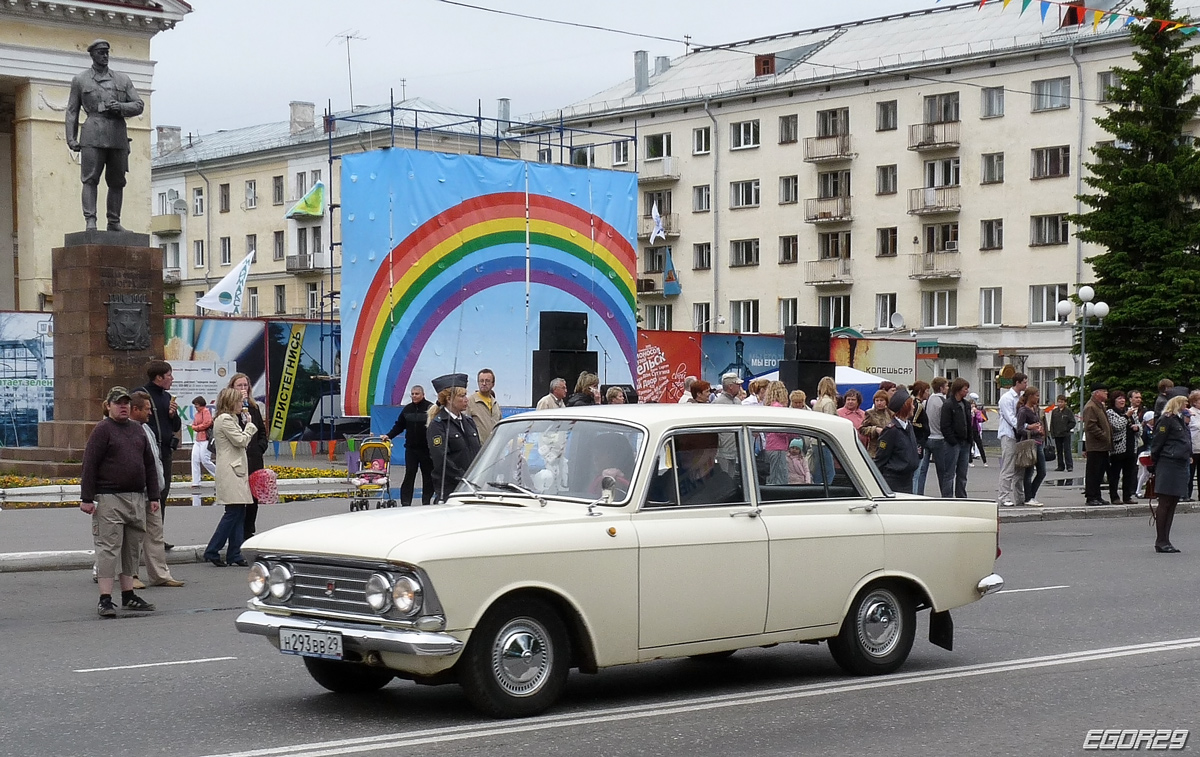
[(327, 646)]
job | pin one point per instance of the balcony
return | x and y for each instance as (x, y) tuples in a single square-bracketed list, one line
[(670, 222), (827, 210), (936, 265), (939, 136), (927, 200), (827, 149), (658, 170), (305, 264), (168, 225), (172, 276), (649, 283), (831, 272)]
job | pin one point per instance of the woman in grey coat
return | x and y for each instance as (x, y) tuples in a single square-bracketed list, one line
[(1171, 450)]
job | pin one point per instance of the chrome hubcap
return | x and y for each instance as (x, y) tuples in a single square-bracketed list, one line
[(879, 623), (521, 657)]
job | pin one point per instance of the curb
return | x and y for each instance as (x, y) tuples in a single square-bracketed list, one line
[(1024, 514), (81, 559)]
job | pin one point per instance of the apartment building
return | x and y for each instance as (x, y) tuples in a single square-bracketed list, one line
[(908, 175), (219, 197)]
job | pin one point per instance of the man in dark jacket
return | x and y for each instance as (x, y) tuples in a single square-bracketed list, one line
[(1062, 423), (1097, 442), (412, 423), (956, 428), (164, 421), (453, 438), (898, 454)]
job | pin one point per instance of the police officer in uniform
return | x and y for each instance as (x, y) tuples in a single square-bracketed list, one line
[(897, 457), (453, 438)]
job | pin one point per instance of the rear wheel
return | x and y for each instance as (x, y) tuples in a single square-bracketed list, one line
[(347, 677), (877, 633), (517, 659)]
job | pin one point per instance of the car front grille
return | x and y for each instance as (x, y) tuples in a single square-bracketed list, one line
[(330, 588)]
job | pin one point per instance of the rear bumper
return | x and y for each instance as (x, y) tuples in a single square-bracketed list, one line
[(989, 585), (355, 637)]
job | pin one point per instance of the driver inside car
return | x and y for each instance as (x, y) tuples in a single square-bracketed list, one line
[(701, 480)]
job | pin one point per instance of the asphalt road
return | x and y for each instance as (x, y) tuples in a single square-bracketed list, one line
[(1094, 630)]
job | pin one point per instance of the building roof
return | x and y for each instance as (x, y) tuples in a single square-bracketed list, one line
[(248, 140), (884, 45)]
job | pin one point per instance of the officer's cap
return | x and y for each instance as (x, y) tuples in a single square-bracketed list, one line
[(899, 397), (450, 380), (98, 43)]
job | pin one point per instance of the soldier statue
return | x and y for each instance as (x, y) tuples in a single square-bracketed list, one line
[(108, 98)]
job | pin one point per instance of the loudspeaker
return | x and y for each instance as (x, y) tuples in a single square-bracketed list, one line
[(805, 375), (565, 364), (562, 330), (631, 396), (806, 343)]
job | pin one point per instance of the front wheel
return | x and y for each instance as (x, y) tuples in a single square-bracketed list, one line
[(517, 659), (877, 633), (347, 677)]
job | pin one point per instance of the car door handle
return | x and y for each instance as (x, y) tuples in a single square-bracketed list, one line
[(748, 513), (865, 508)]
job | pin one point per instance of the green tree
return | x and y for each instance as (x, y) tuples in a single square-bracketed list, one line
[(1144, 214)]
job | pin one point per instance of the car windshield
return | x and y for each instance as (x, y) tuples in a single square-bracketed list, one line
[(558, 458)]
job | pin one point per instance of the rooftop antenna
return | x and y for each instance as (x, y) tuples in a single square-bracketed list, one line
[(403, 90), (346, 36), (687, 44)]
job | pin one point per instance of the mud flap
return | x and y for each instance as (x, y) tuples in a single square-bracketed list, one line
[(941, 630)]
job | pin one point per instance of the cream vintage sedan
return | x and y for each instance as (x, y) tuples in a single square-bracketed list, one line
[(592, 537)]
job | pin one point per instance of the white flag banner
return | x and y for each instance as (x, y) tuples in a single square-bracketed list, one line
[(658, 224), (226, 296)]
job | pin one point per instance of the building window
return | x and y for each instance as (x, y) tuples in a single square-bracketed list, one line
[(1049, 382), (658, 317), (226, 251), (1051, 94), (834, 122), (702, 316), (789, 129), (252, 247), (280, 299), (940, 109), (1049, 162), (302, 244), (743, 252), (702, 256), (252, 296), (251, 194), (1106, 85), (223, 198), (885, 308), (833, 184), (661, 198), (313, 299), (301, 183), (702, 140), (942, 173), (171, 255), (545, 155), (789, 249), (654, 259), (789, 190), (885, 116), (788, 309), (991, 234), (583, 156), (164, 207), (198, 253), (277, 192), (744, 316), (1043, 303), (885, 180), (658, 146), (199, 307), (701, 199), (833, 244), (198, 201), (743, 194), (988, 393), (939, 308), (940, 237), (744, 134), (279, 250), (886, 242), (620, 153), (834, 311), (993, 168), (993, 102), (990, 306), (316, 240), (1047, 230)]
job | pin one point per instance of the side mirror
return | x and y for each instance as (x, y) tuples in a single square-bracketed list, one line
[(607, 484)]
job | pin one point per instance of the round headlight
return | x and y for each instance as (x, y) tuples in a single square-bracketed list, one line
[(379, 592), (259, 574), (406, 595), (280, 582)]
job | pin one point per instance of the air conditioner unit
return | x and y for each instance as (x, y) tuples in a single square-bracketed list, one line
[(951, 247)]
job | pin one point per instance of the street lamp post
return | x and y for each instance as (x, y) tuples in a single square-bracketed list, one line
[(1086, 310)]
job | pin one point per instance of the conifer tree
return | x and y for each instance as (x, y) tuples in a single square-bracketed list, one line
[(1144, 214)]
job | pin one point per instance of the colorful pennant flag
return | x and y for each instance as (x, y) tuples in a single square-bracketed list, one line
[(670, 287), (311, 205), (293, 446), (276, 449)]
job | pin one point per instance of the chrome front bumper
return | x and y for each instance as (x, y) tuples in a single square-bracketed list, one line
[(989, 585), (355, 637)]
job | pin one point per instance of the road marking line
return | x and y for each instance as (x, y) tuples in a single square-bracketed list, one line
[(1036, 588), (699, 704), (153, 665)]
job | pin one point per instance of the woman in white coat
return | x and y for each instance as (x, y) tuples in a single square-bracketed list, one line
[(232, 431)]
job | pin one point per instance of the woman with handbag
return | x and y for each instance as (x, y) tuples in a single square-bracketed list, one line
[(1031, 434), (1122, 460), (233, 432), (257, 447), (1171, 451)]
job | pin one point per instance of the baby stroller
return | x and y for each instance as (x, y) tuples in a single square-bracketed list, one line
[(370, 480)]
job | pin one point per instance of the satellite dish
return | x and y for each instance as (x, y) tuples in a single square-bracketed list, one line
[(179, 207), (172, 195), (897, 321)]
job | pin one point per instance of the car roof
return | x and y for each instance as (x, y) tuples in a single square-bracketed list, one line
[(660, 417)]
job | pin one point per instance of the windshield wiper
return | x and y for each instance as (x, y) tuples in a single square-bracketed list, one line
[(509, 486)]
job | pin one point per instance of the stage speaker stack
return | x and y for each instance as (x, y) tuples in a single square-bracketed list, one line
[(562, 351), (805, 358)]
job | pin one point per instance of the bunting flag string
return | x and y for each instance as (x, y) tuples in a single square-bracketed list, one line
[(1108, 17), (276, 449), (293, 447)]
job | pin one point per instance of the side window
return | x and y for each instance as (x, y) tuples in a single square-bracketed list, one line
[(697, 468), (792, 464)]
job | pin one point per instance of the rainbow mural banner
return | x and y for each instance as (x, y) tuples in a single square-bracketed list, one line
[(448, 261)]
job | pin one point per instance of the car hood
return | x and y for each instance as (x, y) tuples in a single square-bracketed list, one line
[(378, 534)]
